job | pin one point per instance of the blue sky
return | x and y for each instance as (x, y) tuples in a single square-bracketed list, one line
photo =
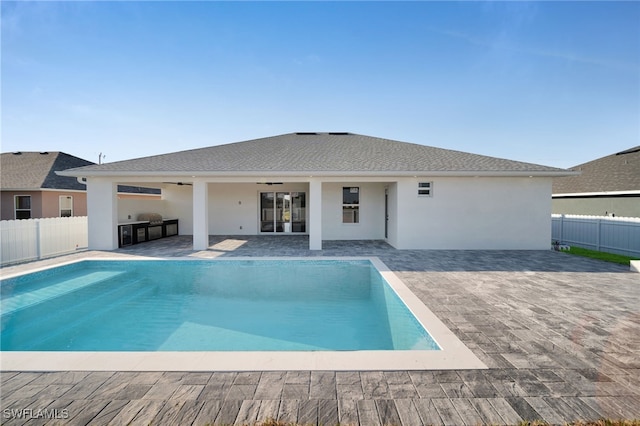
[(554, 83)]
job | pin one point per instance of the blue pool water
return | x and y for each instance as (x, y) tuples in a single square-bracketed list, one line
[(192, 305)]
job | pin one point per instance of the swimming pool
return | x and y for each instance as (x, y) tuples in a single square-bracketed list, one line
[(186, 305), (222, 314)]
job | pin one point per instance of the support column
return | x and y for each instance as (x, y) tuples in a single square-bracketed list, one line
[(200, 215), (315, 214), (102, 214)]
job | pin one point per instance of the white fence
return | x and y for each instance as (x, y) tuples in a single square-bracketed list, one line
[(31, 239), (23, 240), (619, 235)]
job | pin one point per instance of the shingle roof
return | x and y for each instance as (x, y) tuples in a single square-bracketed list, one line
[(315, 152), (616, 172), (36, 170)]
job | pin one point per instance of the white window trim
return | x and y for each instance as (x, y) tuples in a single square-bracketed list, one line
[(60, 205), (15, 206), (351, 205)]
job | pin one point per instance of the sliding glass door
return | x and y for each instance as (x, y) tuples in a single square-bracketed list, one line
[(267, 212), (283, 212), (298, 212)]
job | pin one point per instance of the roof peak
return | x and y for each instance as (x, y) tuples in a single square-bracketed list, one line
[(315, 153)]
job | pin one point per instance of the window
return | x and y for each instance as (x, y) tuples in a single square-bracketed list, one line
[(425, 189), (66, 206), (23, 206), (351, 204)]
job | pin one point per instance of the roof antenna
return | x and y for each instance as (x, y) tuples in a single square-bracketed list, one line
[(100, 157)]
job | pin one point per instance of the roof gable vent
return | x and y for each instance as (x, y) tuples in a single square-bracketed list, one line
[(306, 133), (339, 133)]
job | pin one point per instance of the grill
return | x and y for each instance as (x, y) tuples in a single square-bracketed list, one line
[(152, 218), (154, 230)]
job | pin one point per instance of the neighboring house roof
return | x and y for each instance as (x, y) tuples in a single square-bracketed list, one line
[(34, 171), (315, 153), (618, 172)]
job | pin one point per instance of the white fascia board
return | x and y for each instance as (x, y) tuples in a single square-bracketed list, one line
[(592, 194), (308, 174)]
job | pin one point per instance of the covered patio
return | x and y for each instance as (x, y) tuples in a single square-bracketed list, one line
[(252, 206)]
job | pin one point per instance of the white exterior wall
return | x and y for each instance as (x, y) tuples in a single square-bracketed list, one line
[(200, 215), (463, 213), (475, 213), (102, 214), (179, 205), (371, 226), (314, 214), (130, 208)]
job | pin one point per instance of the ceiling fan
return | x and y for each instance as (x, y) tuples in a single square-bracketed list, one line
[(179, 183)]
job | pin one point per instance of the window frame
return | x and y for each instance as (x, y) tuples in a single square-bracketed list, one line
[(352, 207), (16, 209), (425, 191), (69, 197)]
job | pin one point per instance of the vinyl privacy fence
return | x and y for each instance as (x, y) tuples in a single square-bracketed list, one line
[(24, 240), (31, 239), (619, 235)]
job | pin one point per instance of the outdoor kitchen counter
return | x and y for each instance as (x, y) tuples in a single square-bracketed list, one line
[(135, 232)]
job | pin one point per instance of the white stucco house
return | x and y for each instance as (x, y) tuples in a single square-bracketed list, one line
[(331, 186)]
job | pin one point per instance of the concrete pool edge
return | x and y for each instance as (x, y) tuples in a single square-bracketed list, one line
[(236, 361), (453, 354)]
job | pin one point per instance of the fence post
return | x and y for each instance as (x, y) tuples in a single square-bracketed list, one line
[(608, 234), (38, 240)]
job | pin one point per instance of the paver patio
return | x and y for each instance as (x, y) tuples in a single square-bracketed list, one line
[(560, 335)]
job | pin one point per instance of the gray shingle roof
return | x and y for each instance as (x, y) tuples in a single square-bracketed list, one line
[(36, 170), (316, 152), (616, 172)]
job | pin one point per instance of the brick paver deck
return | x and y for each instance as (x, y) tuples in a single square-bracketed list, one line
[(560, 335)]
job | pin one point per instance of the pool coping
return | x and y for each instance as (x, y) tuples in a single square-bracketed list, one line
[(454, 355)]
